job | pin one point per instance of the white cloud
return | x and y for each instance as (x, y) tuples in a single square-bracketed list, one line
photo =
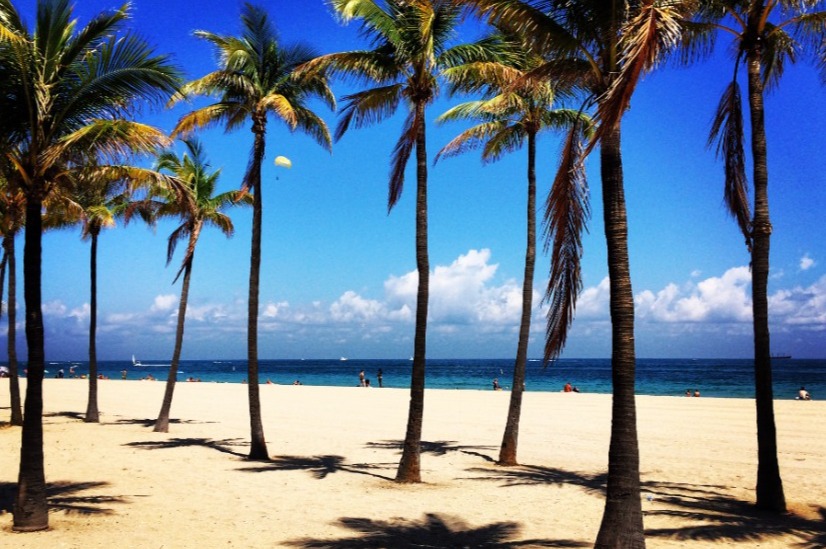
[(164, 303), (715, 299), (806, 263), (352, 307)]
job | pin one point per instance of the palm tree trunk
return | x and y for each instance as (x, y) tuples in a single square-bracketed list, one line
[(258, 445), (162, 423), (14, 371), (622, 525), (410, 463), (31, 511), (507, 452), (92, 415), (770, 494)]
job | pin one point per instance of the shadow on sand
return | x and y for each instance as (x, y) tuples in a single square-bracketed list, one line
[(433, 530), (223, 446), (321, 466), (707, 515), (66, 496), (705, 512), (437, 448)]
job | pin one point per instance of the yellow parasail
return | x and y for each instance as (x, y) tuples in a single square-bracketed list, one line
[(283, 161)]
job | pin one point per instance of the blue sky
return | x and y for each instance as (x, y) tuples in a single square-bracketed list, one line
[(338, 273)]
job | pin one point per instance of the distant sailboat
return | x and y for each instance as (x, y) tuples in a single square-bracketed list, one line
[(343, 359), (136, 362)]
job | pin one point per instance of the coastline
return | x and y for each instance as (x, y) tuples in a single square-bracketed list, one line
[(335, 450)]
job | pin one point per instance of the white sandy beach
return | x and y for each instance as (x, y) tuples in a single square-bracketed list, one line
[(335, 450)]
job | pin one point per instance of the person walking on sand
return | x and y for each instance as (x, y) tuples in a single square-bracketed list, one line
[(361, 378), (378, 376)]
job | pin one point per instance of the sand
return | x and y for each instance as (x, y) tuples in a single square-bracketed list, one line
[(335, 451)]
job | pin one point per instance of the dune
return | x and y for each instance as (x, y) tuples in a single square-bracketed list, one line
[(335, 451)]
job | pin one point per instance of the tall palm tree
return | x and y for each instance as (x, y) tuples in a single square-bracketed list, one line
[(605, 45), (198, 209), (12, 208), (256, 78), (514, 111), (95, 199), (767, 35), (73, 90), (410, 42)]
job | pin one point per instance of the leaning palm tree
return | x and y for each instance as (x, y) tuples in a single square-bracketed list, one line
[(512, 114), (605, 46), (12, 212), (767, 35), (74, 89), (257, 78), (198, 209), (410, 48)]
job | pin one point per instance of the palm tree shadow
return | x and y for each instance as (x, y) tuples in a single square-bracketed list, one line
[(433, 530), (527, 475), (716, 517), (149, 422), (437, 448), (223, 446), (65, 496), (319, 466)]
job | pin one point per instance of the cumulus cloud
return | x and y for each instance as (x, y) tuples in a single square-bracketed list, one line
[(806, 263), (715, 299), (164, 303), (468, 303)]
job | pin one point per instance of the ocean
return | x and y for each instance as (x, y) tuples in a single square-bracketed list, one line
[(727, 378)]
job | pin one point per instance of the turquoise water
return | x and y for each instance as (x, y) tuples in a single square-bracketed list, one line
[(714, 378)]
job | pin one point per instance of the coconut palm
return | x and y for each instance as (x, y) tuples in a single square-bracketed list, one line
[(514, 111), (199, 208), (256, 78), (95, 199), (767, 35), (73, 89), (410, 47), (12, 208), (605, 46)]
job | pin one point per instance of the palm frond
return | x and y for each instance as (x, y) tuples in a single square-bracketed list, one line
[(368, 107), (566, 213), (653, 31), (207, 117), (401, 154), (281, 106), (470, 139), (727, 130), (312, 125), (108, 139)]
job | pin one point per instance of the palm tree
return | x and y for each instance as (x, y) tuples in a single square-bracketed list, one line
[(515, 110), (199, 208), (767, 35), (72, 91), (12, 208), (605, 46), (257, 77), (410, 48), (95, 199)]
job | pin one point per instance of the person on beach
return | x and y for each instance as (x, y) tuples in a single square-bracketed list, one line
[(697, 392), (378, 376), (123, 374), (803, 394), (367, 383), (568, 388), (496, 386), (688, 392), (361, 378)]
